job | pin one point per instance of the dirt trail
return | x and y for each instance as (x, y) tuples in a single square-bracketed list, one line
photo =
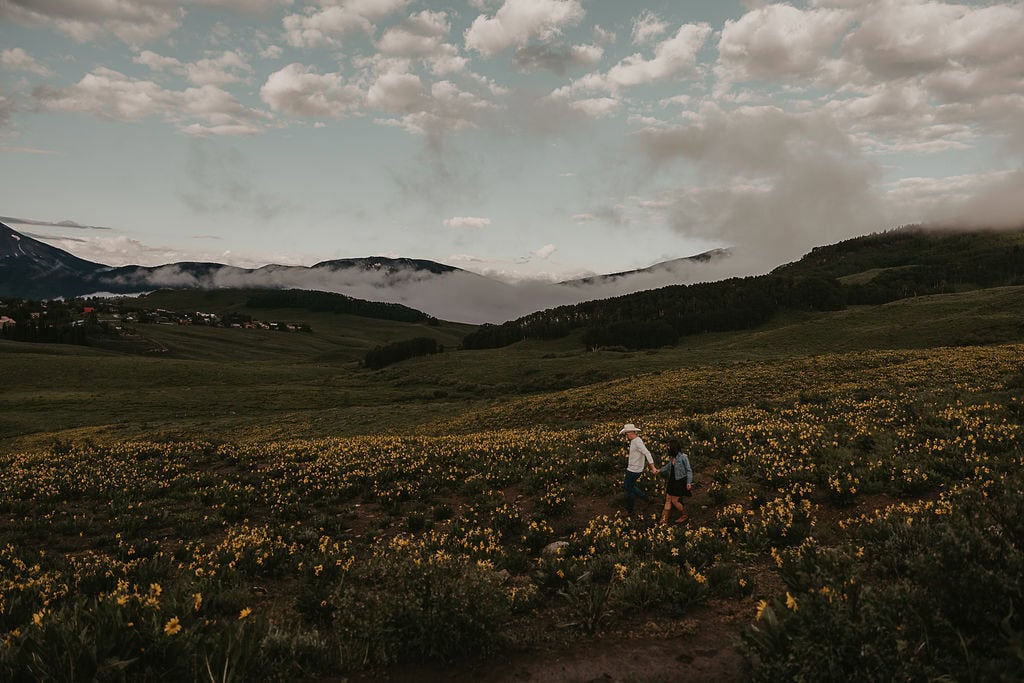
[(698, 648)]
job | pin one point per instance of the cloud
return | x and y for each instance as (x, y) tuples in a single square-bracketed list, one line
[(556, 58), (776, 42), (223, 69), (772, 183), (16, 59), (421, 35), (133, 21), (673, 59), (473, 222), (109, 94), (905, 76), (545, 252), (519, 21), (984, 200), (647, 27), (396, 92), (297, 90), (964, 62), (329, 24), (897, 40)]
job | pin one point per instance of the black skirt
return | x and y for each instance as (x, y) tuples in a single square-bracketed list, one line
[(676, 487)]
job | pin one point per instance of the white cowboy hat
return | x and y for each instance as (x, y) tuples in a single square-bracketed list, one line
[(630, 427)]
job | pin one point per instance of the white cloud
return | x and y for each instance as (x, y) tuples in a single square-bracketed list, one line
[(474, 222), (396, 92), (271, 52), (647, 27), (421, 35), (779, 42), (223, 69), (545, 252), (133, 21), (983, 200), (329, 24), (597, 107), (912, 38), (519, 21), (228, 67), (16, 59), (297, 90), (773, 183), (112, 95), (673, 59)]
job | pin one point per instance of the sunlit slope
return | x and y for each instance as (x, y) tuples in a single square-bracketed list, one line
[(686, 391)]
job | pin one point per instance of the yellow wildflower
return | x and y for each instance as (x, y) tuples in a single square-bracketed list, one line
[(791, 602), (172, 626), (244, 613)]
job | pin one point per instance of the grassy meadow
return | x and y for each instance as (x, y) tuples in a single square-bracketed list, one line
[(255, 505)]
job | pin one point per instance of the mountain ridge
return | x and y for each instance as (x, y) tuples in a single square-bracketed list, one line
[(442, 291)]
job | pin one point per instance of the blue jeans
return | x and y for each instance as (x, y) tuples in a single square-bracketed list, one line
[(632, 490)]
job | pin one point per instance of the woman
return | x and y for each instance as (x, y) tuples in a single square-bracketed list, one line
[(680, 480)]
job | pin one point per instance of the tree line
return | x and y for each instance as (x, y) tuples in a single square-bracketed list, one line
[(382, 356)]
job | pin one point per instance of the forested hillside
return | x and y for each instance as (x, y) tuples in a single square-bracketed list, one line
[(875, 269)]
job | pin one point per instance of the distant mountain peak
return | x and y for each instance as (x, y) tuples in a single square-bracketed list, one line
[(663, 266)]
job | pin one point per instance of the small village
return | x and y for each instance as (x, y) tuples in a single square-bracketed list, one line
[(119, 316)]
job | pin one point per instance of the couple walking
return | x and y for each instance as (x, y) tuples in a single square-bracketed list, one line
[(677, 470)]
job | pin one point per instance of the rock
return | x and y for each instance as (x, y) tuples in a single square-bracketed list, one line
[(552, 548)]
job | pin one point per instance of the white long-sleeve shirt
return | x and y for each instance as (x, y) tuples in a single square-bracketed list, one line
[(637, 454)]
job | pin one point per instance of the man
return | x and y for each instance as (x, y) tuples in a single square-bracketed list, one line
[(637, 454)]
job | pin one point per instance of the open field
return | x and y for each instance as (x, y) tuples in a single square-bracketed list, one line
[(238, 516), (228, 382)]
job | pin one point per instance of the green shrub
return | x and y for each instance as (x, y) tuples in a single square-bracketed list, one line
[(935, 591), (411, 605)]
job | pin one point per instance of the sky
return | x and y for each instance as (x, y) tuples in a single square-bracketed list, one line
[(521, 139)]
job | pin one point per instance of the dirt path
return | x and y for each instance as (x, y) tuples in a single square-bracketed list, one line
[(698, 648)]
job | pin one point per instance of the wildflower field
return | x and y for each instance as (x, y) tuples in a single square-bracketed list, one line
[(856, 517)]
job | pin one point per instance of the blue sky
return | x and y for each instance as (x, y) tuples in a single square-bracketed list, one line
[(518, 138)]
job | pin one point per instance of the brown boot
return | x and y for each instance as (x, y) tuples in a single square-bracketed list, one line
[(682, 518)]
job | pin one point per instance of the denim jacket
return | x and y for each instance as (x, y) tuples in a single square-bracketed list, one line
[(682, 467)]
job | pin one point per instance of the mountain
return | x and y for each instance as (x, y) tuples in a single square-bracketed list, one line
[(441, 291), (671, 268), (31, 269)]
